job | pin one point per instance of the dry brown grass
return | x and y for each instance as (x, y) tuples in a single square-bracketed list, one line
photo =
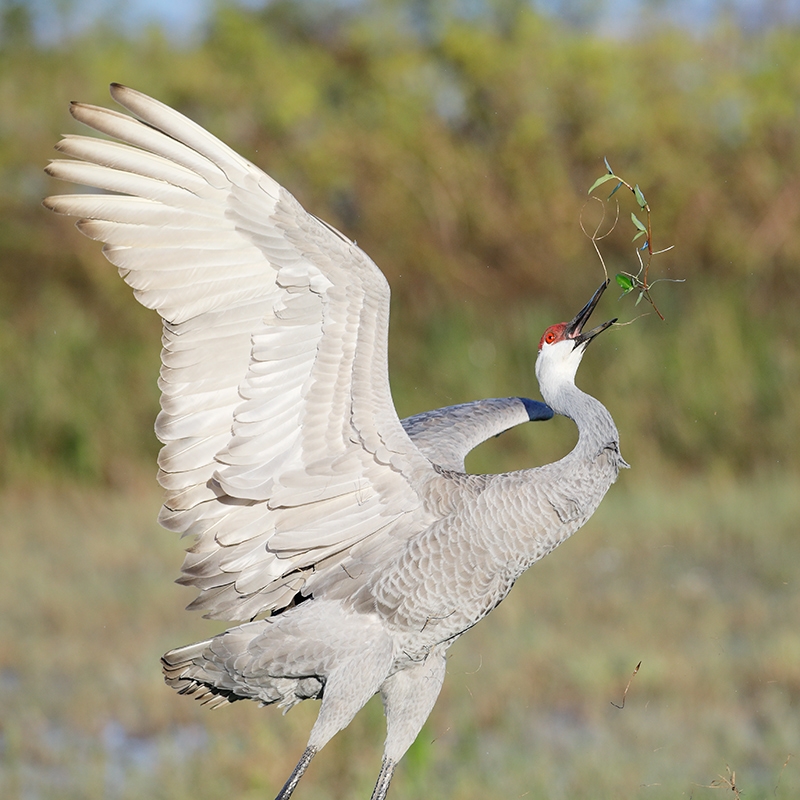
[(698, 582)]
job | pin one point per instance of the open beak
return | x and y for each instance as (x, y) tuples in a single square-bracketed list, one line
[(574, 329)]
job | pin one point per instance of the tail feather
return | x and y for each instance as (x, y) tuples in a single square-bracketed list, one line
[(218, 672), (189, 671)]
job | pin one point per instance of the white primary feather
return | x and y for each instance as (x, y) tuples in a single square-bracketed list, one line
[(282, 446)]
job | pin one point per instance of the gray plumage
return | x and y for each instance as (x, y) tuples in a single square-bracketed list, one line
[(352, 544)]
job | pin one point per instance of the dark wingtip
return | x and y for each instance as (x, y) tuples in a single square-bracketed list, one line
[(537, 411)]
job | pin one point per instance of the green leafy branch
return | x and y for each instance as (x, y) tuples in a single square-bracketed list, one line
[(626, 280)]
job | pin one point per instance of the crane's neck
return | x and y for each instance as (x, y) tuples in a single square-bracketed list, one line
[(551, 502), (596, 428)]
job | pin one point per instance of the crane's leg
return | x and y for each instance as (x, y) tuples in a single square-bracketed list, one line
[(297, 773), (347, 689), (408, 698), (384, 777)]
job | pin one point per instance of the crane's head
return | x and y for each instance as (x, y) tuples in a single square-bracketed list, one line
[(562, 346)]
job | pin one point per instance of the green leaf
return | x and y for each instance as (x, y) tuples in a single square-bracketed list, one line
[(600, 181), (625, 282), (608, 166), (637, 222), (614, 190), (640, 233), (639, 197), (639, 298)]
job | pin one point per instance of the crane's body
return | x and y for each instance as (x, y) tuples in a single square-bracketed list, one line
[(353, 545)]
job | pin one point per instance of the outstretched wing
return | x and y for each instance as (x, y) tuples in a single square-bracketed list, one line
[(283, 455), (446, 435)]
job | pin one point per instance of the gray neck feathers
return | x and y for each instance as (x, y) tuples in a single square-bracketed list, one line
[(537, 509), (596, 428)]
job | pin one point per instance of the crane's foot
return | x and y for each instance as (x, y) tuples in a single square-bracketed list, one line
[(384, 778), (297, 773)]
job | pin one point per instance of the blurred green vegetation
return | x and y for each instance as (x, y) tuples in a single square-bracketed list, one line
[(458, 152)]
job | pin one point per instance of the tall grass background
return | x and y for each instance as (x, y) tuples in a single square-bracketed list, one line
[(457, 148)]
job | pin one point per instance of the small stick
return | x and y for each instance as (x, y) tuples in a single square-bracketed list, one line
[(625, 693), (780, 774), (728, 782)]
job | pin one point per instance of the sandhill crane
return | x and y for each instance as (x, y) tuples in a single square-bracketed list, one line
[(353, 546)]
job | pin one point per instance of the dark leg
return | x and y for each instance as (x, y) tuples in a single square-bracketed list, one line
[(384, 777), (294, 778)]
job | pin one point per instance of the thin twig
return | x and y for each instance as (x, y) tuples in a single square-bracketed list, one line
[(724, 782), (780, 774), (728, 782), (596, 236), (625, 693), (640, 281)]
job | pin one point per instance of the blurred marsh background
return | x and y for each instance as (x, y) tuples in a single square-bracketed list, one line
[(456, 142)]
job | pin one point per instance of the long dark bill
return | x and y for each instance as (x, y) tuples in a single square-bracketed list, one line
[(575, 328)]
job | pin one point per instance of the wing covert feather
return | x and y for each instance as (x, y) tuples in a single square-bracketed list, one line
[(446, 435)]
